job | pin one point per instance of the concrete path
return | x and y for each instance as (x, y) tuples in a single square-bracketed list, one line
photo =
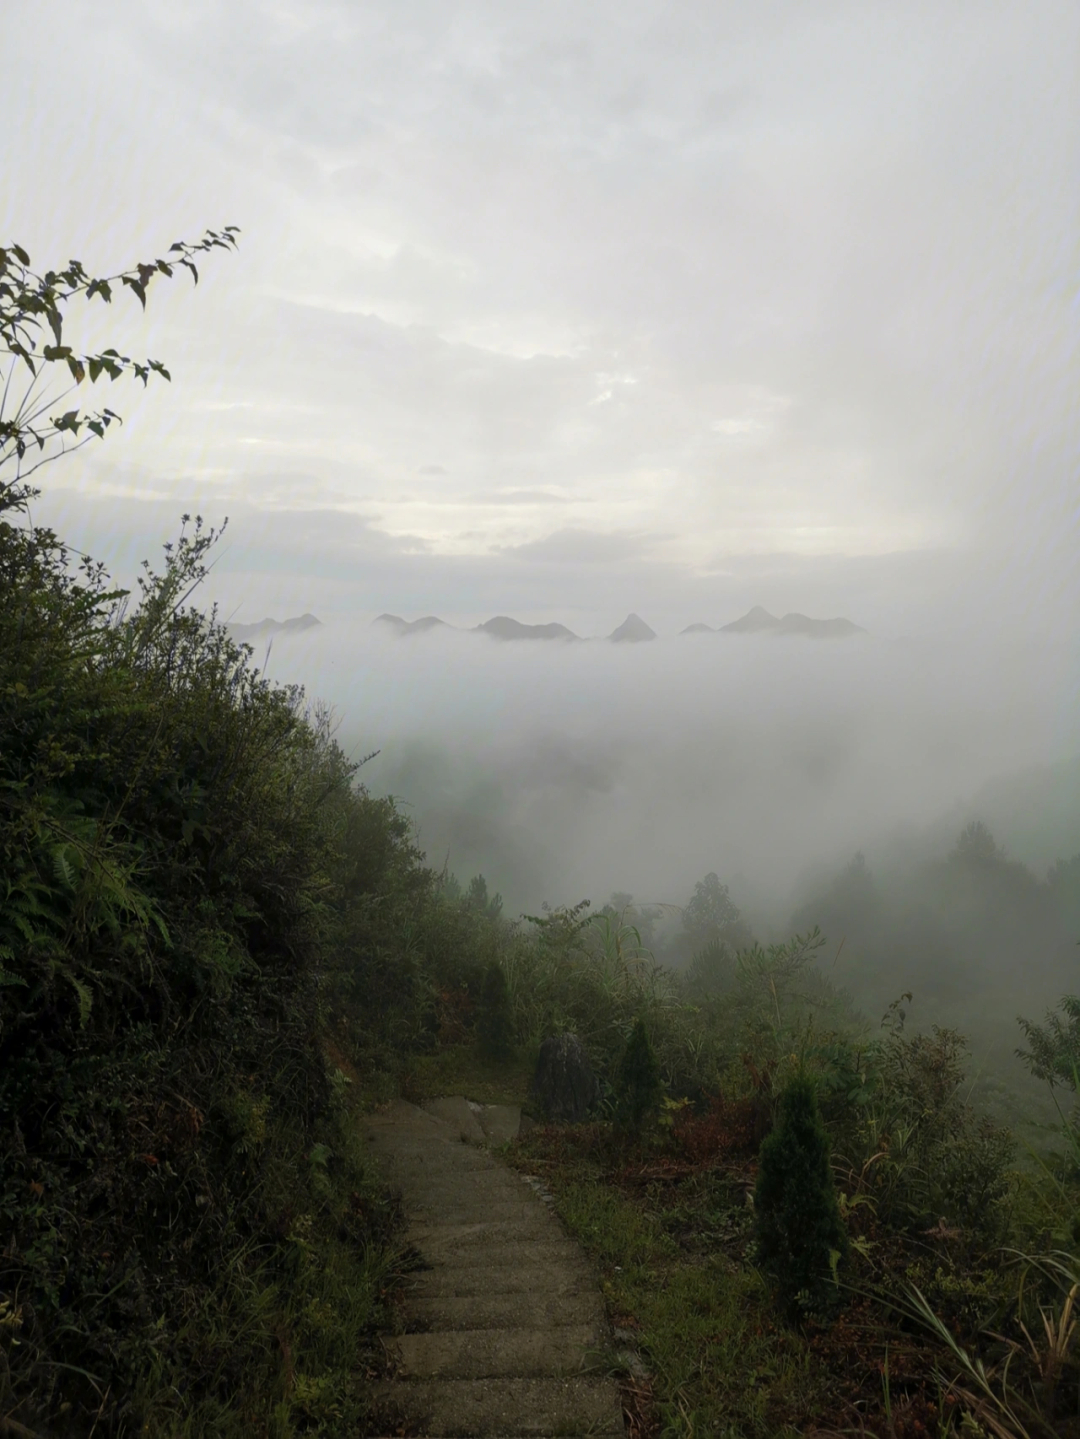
[(506, 1332)]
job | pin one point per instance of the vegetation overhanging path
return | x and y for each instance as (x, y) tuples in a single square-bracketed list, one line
[(505, 1327)]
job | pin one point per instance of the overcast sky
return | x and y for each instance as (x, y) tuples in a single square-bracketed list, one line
[(566, 309)]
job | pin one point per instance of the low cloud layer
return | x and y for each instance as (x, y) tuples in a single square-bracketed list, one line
[(564, 771)]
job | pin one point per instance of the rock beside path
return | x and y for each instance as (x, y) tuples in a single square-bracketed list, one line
[(505, 1327), (478, 1123), (564, 1086)]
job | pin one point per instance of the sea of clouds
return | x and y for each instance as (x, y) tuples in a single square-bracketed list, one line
[(563, 771)]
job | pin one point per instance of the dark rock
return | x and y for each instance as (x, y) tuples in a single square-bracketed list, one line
[(564, 1087)]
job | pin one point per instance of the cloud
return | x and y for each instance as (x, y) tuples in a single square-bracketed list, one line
[(563, 772), (834, 250), (585, 547)]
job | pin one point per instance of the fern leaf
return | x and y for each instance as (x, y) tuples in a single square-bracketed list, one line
[(62, 870), (86, 998)]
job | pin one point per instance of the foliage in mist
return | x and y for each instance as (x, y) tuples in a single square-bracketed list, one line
[(800, 1236), (955, 928), (636, 1089), (494, 1027)]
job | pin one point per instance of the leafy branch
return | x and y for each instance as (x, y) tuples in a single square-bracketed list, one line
[(32, 313)]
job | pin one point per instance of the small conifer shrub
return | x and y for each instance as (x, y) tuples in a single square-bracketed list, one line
[(637, 1087), (800, 1235), (495, 1025)]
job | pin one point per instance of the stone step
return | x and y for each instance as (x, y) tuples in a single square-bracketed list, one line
[(437, 1210), (524, 1309), (438, 1170), (465, 1281), (500, 1122), (501, 1254), (457, 1114), (503, 1408), (493, 1353), (531, 1225)]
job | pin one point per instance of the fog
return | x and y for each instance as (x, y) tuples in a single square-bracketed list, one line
[(565, 771)]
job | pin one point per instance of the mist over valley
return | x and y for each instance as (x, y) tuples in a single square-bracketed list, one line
[(823, 783)]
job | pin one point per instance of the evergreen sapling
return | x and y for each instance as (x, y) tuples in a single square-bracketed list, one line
[(495, 1026), (800, 1235), (638, 1089)]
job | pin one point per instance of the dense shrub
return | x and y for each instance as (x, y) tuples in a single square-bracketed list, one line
[(495, 1026), (800, 1235), (184, 860), (907, 1138), (636, 1089)]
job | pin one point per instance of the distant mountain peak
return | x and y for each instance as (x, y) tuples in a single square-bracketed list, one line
[(759, 621), (754, 620), (411, 627), (502, 627), (247, 632), (633, 629)]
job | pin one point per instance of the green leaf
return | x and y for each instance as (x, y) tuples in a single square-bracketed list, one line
[(86, 998), (65, 875), (138, 287), (17, 349), (23, 257)]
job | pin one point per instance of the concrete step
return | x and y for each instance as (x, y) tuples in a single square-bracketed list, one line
[(475, 1210), (529, 1226), (469, 1280), (434, 1171), (494, 1353), (503, 1408), (502, 1254), (521, 1310)]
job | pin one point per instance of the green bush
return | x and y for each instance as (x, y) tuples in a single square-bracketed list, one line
[(910, 1142), (800, 1235), (636, 1086), (184, 864), (495, 1028)]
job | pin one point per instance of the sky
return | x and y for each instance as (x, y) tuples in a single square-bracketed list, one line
[(569, 310)]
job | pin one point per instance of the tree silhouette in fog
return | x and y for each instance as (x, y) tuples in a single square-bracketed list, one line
[(711, 917)]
